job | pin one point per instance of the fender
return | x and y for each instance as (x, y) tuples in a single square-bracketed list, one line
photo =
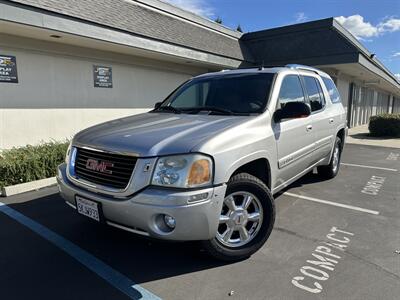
[(340, 127), (261, 154)]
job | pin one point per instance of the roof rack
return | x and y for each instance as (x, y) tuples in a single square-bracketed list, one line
[(302, 67)]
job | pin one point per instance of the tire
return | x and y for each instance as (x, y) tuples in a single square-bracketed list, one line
[(330, 171), (241, 188)]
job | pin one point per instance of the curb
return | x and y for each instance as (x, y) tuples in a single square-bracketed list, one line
[(27, 187), (388, 143)]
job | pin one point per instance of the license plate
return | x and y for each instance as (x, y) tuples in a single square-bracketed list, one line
[(88, 208)]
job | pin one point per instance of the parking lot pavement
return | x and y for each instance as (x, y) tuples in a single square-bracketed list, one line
[(333, 239)]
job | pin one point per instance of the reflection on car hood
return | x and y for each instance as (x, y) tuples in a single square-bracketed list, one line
[(152, 134)]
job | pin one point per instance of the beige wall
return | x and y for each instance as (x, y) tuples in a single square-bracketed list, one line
[(55, 96), (343, 86)]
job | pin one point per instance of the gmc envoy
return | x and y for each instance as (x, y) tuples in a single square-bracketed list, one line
[(204, 164)]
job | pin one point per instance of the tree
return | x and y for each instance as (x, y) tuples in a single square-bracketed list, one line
[(218, 20), (238, 28)]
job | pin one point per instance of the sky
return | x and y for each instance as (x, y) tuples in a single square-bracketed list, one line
[(375, 23)]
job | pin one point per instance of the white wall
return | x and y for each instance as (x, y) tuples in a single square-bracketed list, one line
[(55, 96), (343, 86)]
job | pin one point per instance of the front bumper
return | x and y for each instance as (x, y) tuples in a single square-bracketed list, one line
[(141, 212)]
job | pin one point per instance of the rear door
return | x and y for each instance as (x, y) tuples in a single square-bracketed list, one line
[(323, 121), (294, 137)]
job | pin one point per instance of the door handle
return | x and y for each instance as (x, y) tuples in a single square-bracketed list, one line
[(309, 127), (331, 120)]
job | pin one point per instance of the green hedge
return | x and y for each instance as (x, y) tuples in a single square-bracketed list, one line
[(30, 163), (385, 125)]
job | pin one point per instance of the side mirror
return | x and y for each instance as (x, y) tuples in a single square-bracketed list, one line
[(157, 105), (292, 110)]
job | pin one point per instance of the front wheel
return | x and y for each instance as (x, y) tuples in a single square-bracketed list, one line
[(246, 219)]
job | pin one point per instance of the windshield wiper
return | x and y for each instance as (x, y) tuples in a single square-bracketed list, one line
[(211, 109), (168, 108)]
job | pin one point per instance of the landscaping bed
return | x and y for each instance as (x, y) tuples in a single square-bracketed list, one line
[(29, 163), (385, 125)]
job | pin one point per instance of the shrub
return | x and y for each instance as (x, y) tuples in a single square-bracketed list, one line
[(385, 125), (30, 163)]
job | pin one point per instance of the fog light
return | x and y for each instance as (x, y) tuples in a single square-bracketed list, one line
[(170, 221)]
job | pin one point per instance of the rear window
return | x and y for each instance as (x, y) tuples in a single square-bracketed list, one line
[(332, 90), (315, 96)]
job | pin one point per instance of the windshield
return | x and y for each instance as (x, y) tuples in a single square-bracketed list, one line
[(226, 94)]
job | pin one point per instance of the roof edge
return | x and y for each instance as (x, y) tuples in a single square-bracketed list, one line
[(362, 49), (322, 23), (188, 16)]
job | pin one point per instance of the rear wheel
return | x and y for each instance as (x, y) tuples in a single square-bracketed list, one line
[(246, 219), (331, 170)]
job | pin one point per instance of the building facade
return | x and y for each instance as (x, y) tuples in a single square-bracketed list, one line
[(69, 64)]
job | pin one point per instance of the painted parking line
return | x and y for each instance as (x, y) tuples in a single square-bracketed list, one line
[(113, 277), (369, 211), (368, 167)]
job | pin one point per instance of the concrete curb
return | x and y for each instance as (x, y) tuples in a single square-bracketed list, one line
[(388, 143), (27, 187)]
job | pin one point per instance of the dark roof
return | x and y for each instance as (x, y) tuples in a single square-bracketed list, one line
[(142, 20), (312, 43), (320, 42)]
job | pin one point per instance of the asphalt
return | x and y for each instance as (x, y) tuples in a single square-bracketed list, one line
[(317, 250)]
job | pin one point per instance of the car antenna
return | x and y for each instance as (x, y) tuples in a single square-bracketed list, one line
[(260, 68)]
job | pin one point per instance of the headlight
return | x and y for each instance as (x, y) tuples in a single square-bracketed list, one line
[(183, 171), (70, 159), (68, 153)]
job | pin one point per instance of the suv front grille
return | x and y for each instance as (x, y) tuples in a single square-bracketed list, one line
[(107, 169)]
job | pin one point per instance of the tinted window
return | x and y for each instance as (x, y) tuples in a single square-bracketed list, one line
[(332, 90), (291, 90), (193, 96), (314, 93), (239, 93)]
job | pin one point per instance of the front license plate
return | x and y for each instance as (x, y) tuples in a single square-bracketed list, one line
[(88, 208)]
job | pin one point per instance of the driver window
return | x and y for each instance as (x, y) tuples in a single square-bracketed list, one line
[(193, 96), (291, 91)]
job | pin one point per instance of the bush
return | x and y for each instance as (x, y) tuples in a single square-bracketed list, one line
[(30, 163), (385, 125)]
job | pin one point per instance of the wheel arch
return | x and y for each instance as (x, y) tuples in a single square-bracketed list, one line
[(258, 166), (342, 135)]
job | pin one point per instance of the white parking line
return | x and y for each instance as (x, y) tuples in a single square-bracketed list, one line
[(368, 167), (369, 211), (113, 277)]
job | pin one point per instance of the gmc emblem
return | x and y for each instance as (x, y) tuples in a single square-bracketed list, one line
[(99, 166)]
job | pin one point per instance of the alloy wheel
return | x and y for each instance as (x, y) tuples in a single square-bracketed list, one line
[(240, 220), (335, 158)]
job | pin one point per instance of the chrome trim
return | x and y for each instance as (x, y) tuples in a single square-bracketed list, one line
[(324, 142), (128, 228), (291, 158), (98, 187), (105, 151), (70, 204), (294, 178)]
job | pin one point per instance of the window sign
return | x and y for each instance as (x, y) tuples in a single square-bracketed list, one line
[(8, 69), (102, 76)]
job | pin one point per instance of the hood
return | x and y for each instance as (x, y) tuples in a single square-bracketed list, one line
[(153, 134)]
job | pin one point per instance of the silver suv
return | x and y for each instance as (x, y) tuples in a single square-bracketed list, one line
[(205, 163)]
